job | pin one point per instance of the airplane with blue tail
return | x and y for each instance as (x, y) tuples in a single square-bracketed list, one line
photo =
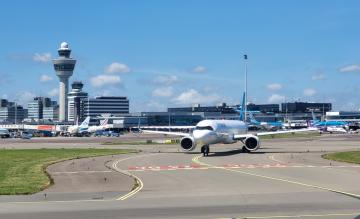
[(79, 129)]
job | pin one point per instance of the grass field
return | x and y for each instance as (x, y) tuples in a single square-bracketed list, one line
[(23, 171), (292, 135), (149, 142), (350, 156)]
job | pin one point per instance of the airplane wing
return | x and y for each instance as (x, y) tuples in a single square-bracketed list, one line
[(243, 136), (167, 127), (168, 133)]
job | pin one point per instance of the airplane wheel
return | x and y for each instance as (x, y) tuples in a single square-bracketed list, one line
[(207, 150), (245, 150), (203, 150)]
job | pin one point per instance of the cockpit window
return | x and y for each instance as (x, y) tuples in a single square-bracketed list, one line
[(204, 128)]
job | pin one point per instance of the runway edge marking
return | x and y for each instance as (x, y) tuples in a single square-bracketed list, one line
[(196, 160), (139, 183)]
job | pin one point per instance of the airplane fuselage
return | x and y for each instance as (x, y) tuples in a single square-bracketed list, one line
[(218, 131)]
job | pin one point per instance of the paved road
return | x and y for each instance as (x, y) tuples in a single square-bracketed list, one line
[(284, 178)]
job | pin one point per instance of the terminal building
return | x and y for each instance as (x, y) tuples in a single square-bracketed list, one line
[(305, 107), (264, 108), (221, 109)]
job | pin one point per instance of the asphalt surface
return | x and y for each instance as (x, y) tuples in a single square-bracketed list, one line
[(286, 178)]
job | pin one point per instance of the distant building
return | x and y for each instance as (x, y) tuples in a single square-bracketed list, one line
[(304, 107), (10, 112), (105, 105), (264, 108), (222, 109), (75, 97), (36, 108), (51, 113)]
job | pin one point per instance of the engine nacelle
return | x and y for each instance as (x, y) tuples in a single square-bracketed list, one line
[(188, 143), (252, 143)]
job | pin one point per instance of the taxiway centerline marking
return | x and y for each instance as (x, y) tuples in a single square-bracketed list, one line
[(272, 157), (139, 183), (196, 160)]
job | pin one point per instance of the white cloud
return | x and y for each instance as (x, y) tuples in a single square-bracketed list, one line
[(276, 98), (318, 77), (44, 57), (274, 86), (45, 78), (165, 79), (199, 69), (192, 96), (53, 93), (309, 92), (117, 67), (155, 106), (163, 92), (24, 97), (102, 80), (350, 68)]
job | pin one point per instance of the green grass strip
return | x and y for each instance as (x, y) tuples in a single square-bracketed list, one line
[(292, 135), (349, 156), (23, 171)]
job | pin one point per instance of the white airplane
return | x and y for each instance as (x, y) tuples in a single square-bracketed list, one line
[(333, 129), (79, 129), (208, 132), (103, 125)]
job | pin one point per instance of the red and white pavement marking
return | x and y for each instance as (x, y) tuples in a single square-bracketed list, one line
[(227, 166)]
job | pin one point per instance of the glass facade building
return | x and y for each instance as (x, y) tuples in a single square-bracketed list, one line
[(105, 105)]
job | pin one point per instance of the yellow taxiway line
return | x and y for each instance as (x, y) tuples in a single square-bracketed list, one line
[(139, 184), (196, 160)]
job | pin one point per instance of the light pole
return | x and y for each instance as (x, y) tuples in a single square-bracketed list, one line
[(245, 101)]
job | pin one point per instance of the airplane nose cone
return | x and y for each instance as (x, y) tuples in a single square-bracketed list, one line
[(203, 136)]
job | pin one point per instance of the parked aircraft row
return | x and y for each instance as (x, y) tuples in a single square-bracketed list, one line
[(85, 129)]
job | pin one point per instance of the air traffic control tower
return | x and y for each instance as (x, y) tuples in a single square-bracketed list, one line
[(64, 67)]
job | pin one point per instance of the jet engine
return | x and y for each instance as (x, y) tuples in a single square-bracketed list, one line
[(252, 143), (187, 143)]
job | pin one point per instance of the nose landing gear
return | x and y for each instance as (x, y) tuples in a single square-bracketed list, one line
[(205, 150)]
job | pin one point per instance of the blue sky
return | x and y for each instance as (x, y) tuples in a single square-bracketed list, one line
[(177, 53)]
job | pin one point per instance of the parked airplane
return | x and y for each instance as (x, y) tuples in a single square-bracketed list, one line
[(266, 125), (208, 132), (79, 129), (254, 123), (333, 129), (103, 126), (317, 123)]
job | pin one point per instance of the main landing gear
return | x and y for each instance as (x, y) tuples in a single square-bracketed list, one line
[(205, 150)]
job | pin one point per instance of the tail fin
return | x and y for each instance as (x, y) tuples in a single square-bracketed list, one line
[(313, 116), (252, 118), (85, 123), (241, 111), (105, 122)]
